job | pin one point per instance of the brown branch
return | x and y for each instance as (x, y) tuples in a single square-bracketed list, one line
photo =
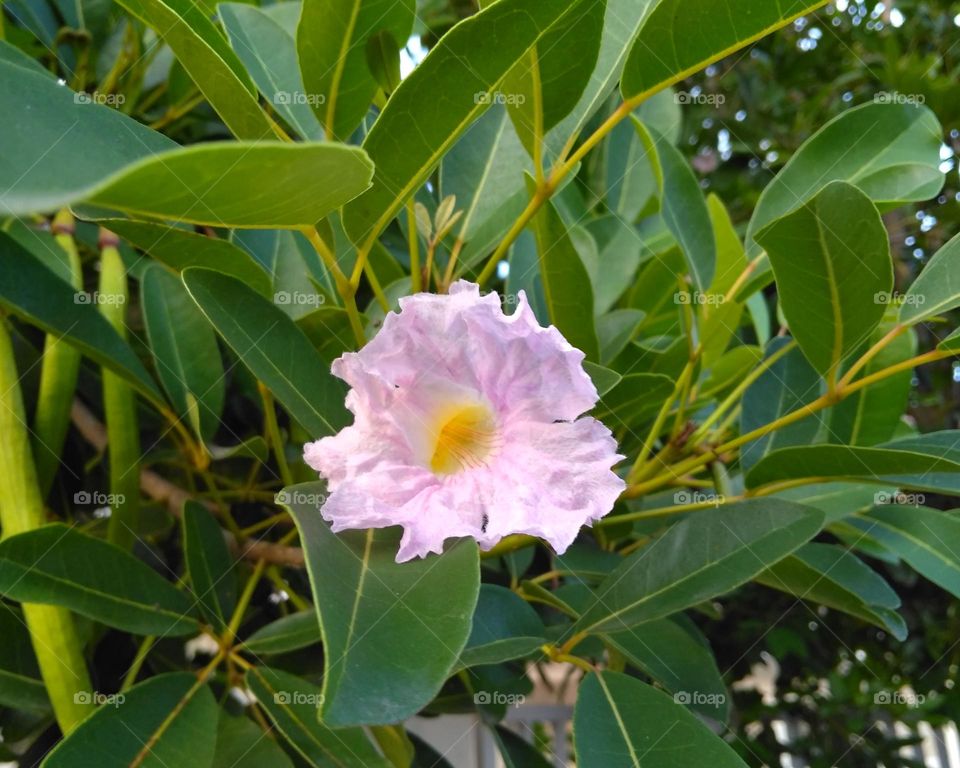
[(160, 489)]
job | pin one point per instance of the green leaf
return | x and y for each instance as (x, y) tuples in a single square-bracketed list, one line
[(603, 378), (180, 249), (59, 146), (636, 398), (292, 705), (952, 342), (621, 22), (675, 654), (890, 151), (721, 318), (871, 415), (613, 265), (566, 284), (31, 290), (911, 466), (836, 500), (685, 213), (229, 183), (241, 743), (620, 722), (831, 259), (420, 610), (212, 65), (515, 751), (272, 347), (209, 564), (505, 627), (417, 128), (546, 84), (937, 289), (269, 54), (184, 347), (300, 280), (788, 384), (167, 720), (831, 576), (485, 170), (332, 43), (290, 633), (925, 538), (665, 51), (383, 60), (615, 330), (704, 555), (20, 683), (633, 177), (58, 565)]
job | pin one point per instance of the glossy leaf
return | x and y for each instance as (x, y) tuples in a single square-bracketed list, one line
[(229, 182), (871, 415), (272, 347), (702, 556), (29, 289), (269, 54), (58, 565), (890, 151), (211, 64), (685, 213), (290, 633), (621, 722), (421, 610), (484, 170), (910, 466), (60, 147), (721, 316), (209, 564), (181, 248), (546, 84), (292, 705), (831, 259), (184, 347), (516, 752), (637, 397), (20, 682), (831, 576), (621, 22), (925, 538), (788, 384), (676, 655), (241, 743), (504, 627), (167, 720), (332, 44), (664, 53), (566, 284), (937, 289), (465, 66)]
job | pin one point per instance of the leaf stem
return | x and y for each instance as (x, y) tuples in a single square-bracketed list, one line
[(344, 286), (824, 401)]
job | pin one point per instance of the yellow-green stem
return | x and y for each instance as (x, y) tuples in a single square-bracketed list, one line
[(58, 374), (273, 434), (120, 407), (53, 634)]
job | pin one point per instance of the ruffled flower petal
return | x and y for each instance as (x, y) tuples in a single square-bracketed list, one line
[(466, 424)]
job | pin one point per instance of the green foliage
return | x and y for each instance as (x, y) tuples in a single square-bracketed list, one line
[(203, 206)]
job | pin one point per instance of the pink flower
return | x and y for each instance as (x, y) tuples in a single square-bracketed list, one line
[(466, 425)]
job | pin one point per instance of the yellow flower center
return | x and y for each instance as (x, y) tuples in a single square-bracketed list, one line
[(465, 436)]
